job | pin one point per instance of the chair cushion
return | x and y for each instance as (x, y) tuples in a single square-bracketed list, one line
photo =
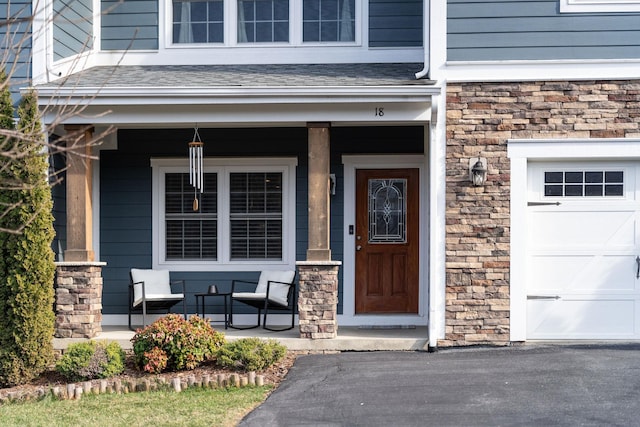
[(168, 299), (157, 285), (277, 291), (261, 296)]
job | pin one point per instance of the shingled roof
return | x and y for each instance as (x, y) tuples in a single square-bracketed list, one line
[(280, 75)]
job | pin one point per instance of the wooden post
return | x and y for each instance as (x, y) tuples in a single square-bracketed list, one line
[(319, 161), (79, 201)]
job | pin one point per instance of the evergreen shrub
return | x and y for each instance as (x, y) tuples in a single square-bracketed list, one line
[(89, 360), (250, 354), (26, 234)]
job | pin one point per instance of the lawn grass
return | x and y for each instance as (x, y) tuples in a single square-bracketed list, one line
[(193, 407)]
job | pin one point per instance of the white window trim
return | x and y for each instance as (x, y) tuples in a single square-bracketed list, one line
[(230, 31), (587, 6), (224, 167)]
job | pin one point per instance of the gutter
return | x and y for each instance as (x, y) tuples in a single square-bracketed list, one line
[(424, 73)]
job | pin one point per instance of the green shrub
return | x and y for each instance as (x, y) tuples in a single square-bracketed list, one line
[(88, 360), (250, 354), (26, 233), (172, 343)]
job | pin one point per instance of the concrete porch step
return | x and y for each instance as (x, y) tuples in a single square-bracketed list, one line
[(349, 339)]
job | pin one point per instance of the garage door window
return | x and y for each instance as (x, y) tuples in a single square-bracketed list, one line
[(583, 183)]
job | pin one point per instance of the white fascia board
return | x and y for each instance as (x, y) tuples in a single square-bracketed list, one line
[(502, 71), (290, 113), (232, 95), (251, 55)]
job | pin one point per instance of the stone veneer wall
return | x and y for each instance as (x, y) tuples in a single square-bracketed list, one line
[(481, 117)]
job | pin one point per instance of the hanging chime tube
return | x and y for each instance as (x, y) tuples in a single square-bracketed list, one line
[(196, 165)]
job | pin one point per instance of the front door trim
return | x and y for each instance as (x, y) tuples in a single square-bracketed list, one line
[(351, 164)]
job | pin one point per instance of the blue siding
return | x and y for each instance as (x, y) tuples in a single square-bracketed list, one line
[(16, 45), (395, 23), (72, 27), (521, 29), (129, 24), (125, 180)]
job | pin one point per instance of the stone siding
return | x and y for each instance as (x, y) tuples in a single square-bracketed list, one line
[(318, 299), (481, 117), (78, 300)]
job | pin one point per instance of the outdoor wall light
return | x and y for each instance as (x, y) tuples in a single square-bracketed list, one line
[(478, 171)]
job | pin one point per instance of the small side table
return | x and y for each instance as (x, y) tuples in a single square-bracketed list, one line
[(200, 303)]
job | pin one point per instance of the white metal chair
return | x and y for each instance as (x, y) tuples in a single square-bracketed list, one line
[(274, 291), (150, 292)]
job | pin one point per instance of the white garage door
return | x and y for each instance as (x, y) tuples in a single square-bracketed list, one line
[(583, 247)]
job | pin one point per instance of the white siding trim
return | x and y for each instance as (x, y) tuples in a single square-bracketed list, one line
[(504, 71), (602, 6), (436, 147)]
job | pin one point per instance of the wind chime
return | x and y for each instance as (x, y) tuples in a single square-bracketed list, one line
[(196, 170)]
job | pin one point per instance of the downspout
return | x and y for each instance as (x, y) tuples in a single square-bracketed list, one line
[(426, 43)]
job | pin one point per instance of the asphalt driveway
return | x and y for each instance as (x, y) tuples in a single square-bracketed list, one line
[(532, 385)]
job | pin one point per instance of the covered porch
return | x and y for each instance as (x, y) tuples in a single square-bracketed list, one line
[(304, 123)]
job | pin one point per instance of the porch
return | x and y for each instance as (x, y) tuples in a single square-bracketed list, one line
[(348, 338)]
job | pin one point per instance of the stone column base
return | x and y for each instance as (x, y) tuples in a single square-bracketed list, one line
[(318, 299), (78, 299)]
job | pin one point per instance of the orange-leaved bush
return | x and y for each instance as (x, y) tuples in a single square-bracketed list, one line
[(174, 344)]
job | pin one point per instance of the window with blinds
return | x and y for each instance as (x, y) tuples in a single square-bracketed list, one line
[(255, 215), (245, 219), (191, 235)]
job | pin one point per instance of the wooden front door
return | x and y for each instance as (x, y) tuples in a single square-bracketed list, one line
[(387, 241)]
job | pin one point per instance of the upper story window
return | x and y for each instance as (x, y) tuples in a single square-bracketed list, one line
[(198, 21), (602, 6), (328, 20), (243, 22), (263, 21)]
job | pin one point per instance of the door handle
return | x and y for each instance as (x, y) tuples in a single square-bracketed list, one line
[(638, 267), (544, 297), (358, 247)]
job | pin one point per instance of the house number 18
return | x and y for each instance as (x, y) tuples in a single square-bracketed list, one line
[(379, 111)]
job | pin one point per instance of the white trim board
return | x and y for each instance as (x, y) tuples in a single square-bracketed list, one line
[(351, 163), (542, 70), (599, 6)]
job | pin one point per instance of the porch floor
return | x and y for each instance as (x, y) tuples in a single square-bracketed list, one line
[(349, 339)]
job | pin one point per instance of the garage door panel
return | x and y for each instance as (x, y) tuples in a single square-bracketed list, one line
[(582, 245), (581, 319), (573, 229), (583, 273)]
